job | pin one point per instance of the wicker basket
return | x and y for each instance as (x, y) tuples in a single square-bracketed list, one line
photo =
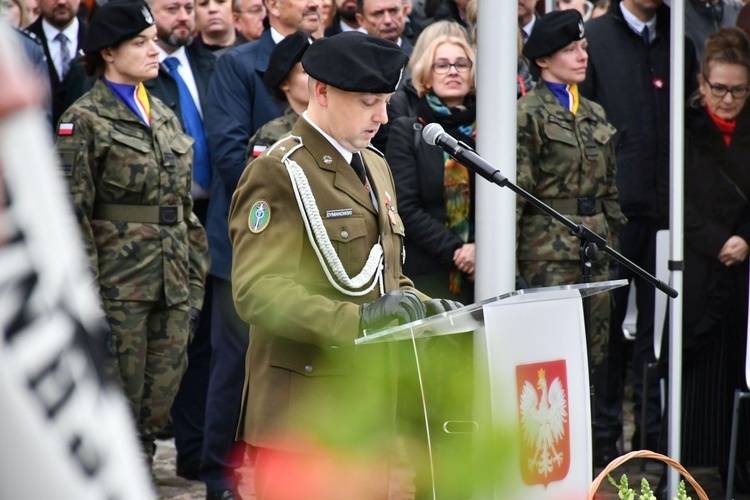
[(645, 454)]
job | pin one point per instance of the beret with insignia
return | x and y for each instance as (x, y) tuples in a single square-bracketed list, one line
[(356, 62), (116, 21), (285, 55), (552, 32)]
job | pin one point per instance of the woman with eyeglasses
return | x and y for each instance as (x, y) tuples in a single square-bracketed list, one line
[(565, 157), (717, 232), (436, 193)]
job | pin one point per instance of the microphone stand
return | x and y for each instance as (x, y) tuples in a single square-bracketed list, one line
[(591, 243)]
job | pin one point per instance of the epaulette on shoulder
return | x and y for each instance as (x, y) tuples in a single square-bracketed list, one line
[(284, 147), (375, 150), (31, 36)]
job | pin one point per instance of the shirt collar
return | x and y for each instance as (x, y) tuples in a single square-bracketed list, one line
[(636, 24), (178, 54), (50, 32), (275, 35), (343, 151), (529, 26)]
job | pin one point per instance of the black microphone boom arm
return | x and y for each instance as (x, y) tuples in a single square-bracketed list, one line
[(434, 134)]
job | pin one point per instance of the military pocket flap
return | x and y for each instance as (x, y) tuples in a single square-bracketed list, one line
[(604, 133), (130, 141), (310, 362), (67, 160), (345, 229), (181, 143), (557, 133)]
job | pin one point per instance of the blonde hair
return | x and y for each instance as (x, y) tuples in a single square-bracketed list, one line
[(421, 74), (434, 30), (24, 20)]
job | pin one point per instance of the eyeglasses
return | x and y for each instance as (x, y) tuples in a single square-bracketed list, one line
[(442, 67), (721, 90)]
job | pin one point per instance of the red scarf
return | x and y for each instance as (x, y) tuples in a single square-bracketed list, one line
[(726, 127)]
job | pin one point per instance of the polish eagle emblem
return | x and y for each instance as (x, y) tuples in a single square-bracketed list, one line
[(543, 418)]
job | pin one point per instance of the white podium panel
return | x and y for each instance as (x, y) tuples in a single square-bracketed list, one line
[(502, 390)]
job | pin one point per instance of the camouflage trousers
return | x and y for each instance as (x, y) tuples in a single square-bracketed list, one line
[(539, 273), (150, 341)]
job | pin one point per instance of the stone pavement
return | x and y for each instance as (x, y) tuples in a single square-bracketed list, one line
[(171, 487)]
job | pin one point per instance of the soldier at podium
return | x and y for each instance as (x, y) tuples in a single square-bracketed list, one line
[(317, 254)]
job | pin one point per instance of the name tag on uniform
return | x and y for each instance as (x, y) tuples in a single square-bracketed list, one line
[(341, 212)]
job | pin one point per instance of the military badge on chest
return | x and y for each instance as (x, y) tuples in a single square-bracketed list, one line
[(259, 217), (391, 209)]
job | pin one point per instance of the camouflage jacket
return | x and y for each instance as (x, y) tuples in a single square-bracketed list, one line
[(565, 157), (271, 132), (110, 157)]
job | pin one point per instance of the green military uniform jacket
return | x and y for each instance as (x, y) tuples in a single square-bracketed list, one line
[(271, 132), (303, 329), (561, 158), (111, 159)]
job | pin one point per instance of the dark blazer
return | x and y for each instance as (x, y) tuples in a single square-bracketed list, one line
[(717, 189), (419, 170), (238, 103), (75, 83), (202, 63), (631, 82)]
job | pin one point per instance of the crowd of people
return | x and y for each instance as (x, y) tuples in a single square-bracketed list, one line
[(253, 193)]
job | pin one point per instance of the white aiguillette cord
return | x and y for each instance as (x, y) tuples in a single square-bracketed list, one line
[(316, 232)]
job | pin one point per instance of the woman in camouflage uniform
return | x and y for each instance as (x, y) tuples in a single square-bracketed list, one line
[(128, 165), (566, 158)]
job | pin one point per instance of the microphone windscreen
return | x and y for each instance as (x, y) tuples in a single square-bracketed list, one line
[(430, 133)]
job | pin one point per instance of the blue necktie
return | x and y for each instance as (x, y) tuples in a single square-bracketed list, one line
[(193, 126)]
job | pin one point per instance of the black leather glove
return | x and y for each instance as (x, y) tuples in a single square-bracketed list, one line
[(400, 305), (195, 316), (437, 306), (521, 283)]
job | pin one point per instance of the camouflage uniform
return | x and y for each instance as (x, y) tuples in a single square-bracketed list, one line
[(271, 132), (130, 187), (568, 161)]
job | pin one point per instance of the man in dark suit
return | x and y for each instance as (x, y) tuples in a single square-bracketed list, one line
[(61, 34), (384, 19), (345, 18), (175, 23), (238, 103)]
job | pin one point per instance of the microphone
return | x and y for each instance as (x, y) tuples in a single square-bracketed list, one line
[(434, 135)]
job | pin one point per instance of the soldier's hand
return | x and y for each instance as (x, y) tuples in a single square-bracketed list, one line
[(195, 316), (437, 306), (397, 305), (521, 283)]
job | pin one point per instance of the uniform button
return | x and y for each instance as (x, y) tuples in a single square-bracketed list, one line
[(308, 368), (344, 234)]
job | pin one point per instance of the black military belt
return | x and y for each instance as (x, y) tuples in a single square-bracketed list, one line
[(568, 206), (166, 215)]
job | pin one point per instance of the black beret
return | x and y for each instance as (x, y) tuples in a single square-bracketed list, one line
[(356, 62), (285, 55), (115, 22), (552, 32)]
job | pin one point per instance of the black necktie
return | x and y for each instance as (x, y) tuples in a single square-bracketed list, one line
[(359, 168), (645, 36)]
